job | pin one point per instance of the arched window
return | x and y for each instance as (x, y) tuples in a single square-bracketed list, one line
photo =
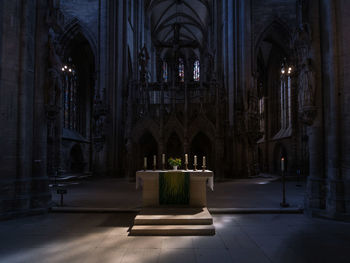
[(196, 70), (181, 70), (261, 114), (70, 98), (165, 71), (285, 97)]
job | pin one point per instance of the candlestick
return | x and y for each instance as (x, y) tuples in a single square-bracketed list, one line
[(154, 162), (195, 163), (203, 166), (145, 163), (284, 203), (163, 161)]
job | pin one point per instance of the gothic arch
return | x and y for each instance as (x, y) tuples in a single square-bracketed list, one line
[(143, 126), (173, 125), (276, 32), (72, 30), (276, 26), (202, 124)]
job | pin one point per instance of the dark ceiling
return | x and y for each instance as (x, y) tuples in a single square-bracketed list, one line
[(191, 15)]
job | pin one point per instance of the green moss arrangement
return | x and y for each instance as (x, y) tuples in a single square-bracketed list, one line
[(174, 161)]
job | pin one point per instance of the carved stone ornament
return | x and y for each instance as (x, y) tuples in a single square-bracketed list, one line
[(54, 88), (307, 115), (302, 42), (143, 59), (306, 94), (306, 79), (100, 113)]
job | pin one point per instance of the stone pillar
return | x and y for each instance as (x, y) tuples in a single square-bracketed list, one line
[(315, 187), (116, 79), (186, 142), (40, 192), (335, 75), (23, 183)]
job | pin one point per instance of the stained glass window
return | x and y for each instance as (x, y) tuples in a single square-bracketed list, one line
[(70, 99), (289, 103), (196, 71), (181, 70), (261, 112), (165, 71), (286, 109)]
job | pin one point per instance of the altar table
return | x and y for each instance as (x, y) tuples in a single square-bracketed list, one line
[(199, 179)]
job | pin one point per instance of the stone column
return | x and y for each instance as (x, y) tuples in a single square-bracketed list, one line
[(116, 79), (335, 76), (23, 183), (315, 187)]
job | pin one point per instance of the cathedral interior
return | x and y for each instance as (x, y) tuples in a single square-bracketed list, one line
[(92, 91)]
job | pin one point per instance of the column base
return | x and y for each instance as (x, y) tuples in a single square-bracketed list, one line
[(315, 197)]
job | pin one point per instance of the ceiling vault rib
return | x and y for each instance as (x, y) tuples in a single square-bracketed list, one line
[(192, 17), (162, 15), (195, 13)]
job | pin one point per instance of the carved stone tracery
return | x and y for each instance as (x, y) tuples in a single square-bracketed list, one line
[(306, 78)]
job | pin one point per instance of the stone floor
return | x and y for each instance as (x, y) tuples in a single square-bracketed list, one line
[(242, 193), (102, 237)]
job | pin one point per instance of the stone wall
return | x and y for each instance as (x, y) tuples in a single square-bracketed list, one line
[(111, 33), (23, 180), (273, 22)]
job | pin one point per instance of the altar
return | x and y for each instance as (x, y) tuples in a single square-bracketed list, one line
[(174, 203), (198, 181)]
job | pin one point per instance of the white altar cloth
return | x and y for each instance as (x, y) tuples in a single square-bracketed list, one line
[(140, 175)]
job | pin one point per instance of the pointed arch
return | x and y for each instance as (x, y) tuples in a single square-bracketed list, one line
[(202, 124), (143, 126), (173, 125), (72, 29), (277, 32)]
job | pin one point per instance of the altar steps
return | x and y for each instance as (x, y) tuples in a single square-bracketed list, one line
[(173, 221), (174, 216), (172, 230)]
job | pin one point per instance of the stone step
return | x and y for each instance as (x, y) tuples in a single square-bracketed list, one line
[(172, 230), (174, 216)]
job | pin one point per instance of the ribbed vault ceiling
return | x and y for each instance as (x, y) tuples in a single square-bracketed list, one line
[(192, 16)]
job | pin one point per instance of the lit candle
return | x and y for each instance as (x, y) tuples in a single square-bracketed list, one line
[(195, 160), (163, 158), (203, 160), (154, 160), (186, 158), (145, 162), (282, 164)]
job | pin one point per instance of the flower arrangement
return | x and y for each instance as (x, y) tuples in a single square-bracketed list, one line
[(174, 161)]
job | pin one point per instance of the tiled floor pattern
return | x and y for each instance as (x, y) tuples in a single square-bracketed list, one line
[(239, 238)]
